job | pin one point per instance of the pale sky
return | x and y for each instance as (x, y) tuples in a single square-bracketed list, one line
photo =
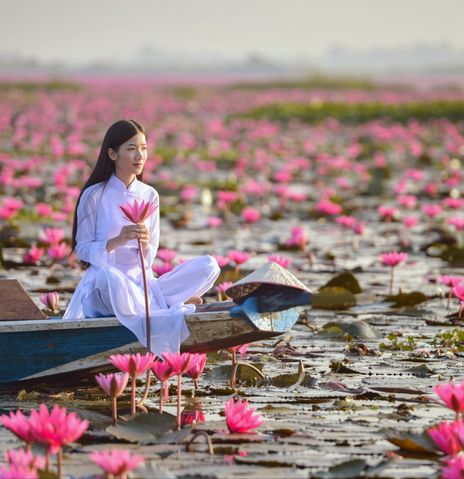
[(83, 31)]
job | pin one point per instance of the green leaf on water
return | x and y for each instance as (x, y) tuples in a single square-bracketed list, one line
[(346, 470), (407, 299), (145, 428), (333, 297), (346, 280)]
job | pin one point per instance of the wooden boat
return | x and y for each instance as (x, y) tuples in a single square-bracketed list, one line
[(45, 348)]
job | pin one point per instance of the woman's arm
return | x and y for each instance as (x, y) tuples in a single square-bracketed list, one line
[(88, 248)]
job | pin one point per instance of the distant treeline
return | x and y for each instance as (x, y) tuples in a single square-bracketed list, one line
[(358, 112), (32, 86), (317, 81)]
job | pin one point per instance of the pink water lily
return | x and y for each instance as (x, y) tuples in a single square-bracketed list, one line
[(448, 436), (163, 370), (221, 289), (283, 261), (453, 468), (393, 259), (250, 215), (450, 282), (113, 385), (134, 364), (240, 418), (181, 363), (458, 291), (195, 371), (55, 429), (452, 395), (50, 300), (117, 462), (21, 465), (137, 213), (34, 255), (19, 425), (241, 349)]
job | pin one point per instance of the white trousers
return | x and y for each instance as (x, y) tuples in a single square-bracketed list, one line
[(194, 277)]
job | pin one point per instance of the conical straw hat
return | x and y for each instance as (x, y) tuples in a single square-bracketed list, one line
[(270, 273)]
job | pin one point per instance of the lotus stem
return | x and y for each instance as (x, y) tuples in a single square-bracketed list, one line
[(145, 288), (208, 440), (179, 389), (161, 393), (460, 311), (114, 403), (147, 389), (134, 380), (233, 381), (449, 300), (59, 461), (47, 461), (391, 280)]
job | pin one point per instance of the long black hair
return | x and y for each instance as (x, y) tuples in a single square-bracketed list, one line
[(117, 134)]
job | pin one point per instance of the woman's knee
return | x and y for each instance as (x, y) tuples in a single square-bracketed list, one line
[(207, 266)]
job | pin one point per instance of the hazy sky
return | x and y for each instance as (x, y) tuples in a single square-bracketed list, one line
[(83, 31)]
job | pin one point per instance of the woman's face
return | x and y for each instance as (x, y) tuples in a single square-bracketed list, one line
[(131, 156)]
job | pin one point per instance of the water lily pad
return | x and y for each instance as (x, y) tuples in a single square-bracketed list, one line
[(412, 442), (144, 427), (333, 297), (346, 470), (346, 280), (453, 255), (407, 299), (353, 327)]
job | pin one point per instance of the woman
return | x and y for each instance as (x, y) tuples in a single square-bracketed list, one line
[(108, 243)]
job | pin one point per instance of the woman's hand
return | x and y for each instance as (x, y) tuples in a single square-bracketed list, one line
[(130, 232)]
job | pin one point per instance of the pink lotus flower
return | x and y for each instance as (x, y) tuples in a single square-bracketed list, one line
[(250, 215), (33, 255), (50, 300), (387, 212), (327, 207), (240, 418), (408, 201), (19, 425), (56, 428), (181, 362), (21, 465), (432, 210), (280, 260), (59, 251), (134, 364), (358, 228), (113, 385), (221, 260), (162, 268), (116, 462), (136, 213), (188, 193), (454, 468), (453, 203), (452, 395), (214, 221), (238, 257), (221, 289), (299, 238), (448, 436), (392, 259), (346, 221), (43, 209), (163, 370), (241, 349), (450, 282), (166, 255), (457, 222), (458, 291), (410, 221), (196, 370), (52, 236)]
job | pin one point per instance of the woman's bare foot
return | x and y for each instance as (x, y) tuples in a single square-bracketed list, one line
[(194, 300)]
